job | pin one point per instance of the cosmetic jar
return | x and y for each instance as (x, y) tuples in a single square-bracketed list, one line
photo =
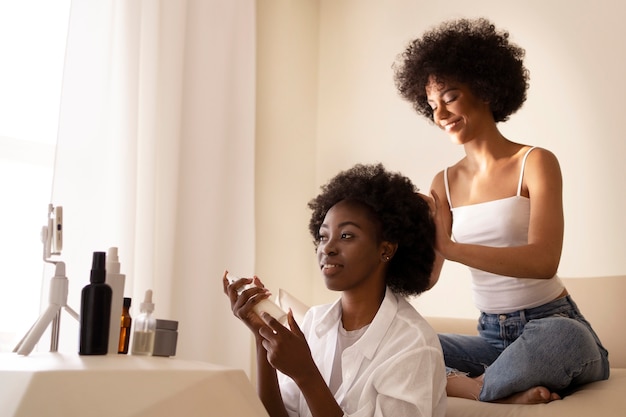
[(165, 338)]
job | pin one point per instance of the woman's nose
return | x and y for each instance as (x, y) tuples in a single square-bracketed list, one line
[(329, 247), (440, 113)]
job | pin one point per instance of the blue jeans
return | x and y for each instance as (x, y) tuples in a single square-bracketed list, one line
[(551, 345)]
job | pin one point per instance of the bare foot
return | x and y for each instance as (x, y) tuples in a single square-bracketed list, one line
[(462, 386), (534, 395)]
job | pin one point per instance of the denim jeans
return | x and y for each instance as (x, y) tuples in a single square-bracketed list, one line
[(551, 345)]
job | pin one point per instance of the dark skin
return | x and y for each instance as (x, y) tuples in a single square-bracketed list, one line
[(279, 348), (353, 260)]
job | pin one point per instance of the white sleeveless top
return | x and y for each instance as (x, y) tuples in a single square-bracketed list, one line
[(501, 223)]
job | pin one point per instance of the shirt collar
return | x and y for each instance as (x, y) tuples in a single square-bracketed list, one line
[(368, 343)]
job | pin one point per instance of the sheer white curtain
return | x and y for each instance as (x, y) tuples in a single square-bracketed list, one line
[(155, 156)]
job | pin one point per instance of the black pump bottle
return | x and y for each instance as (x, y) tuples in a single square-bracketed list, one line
[(95, 310)]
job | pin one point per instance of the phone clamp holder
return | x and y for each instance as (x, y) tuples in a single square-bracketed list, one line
[(52, 239)]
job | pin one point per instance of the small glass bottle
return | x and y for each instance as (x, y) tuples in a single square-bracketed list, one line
[(144, 327), (125, 325)]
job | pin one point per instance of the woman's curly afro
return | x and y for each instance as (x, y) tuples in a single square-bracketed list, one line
[(472, 52), (404, 217)]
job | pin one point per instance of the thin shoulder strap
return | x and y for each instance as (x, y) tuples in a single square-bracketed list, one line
[(445, 182), (521, 174)]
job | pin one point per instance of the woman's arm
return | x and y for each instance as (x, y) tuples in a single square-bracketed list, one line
[(241, 305), (288, 351), (267, 383), (541, 256), (442, 217), (438, 263)]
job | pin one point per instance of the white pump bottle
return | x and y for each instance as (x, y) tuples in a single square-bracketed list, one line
[(266, 305)]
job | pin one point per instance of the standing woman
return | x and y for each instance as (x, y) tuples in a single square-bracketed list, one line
[(499, 211)]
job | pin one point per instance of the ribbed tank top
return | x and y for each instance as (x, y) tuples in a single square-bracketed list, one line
[(501, 223)]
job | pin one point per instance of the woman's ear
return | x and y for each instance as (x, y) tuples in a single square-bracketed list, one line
[(388, 250)]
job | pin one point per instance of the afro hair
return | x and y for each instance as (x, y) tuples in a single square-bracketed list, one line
[(403, 214), (472, 52)]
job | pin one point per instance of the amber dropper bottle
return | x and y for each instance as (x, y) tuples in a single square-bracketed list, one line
[(125, 325)]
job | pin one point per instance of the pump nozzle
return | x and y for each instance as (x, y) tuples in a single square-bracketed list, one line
[(113, 262), (98, 271), (147, 305)]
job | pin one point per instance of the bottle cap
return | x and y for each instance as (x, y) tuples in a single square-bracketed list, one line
[(98, 271), (112, 261), (127, 301), (166, 324), (147, 305)]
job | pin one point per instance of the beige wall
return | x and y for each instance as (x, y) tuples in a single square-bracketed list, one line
[(327, 100), (287, 62)]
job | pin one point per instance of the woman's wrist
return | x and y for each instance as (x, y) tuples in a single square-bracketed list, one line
[(447, 249), (308, 377)]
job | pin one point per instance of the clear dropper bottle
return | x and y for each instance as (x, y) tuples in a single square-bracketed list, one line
[(144, 328)]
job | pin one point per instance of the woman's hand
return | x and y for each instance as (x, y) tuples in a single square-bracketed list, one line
[(288, 351), (287, 348), (442, 224), (242, 304)]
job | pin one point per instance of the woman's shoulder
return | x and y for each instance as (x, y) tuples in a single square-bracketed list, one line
[(448, 173), (413, 324), (541, 161), (461, 164), (538, 153)]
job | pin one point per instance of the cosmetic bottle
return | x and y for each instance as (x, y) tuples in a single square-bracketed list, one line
[(144, 327), (95, 310), (125, 326), (264, 306), (116, 281)]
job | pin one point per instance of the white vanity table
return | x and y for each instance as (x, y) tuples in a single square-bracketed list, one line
[(60, 384)]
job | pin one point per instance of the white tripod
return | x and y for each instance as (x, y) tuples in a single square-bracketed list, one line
[(52, 238)]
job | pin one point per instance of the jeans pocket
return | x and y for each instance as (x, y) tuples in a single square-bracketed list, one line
[(510, 329)]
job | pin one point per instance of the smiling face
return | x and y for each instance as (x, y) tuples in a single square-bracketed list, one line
[(457, 110), (350, 252)]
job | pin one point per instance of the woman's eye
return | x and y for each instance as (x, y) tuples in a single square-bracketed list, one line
[(321, 238), (449, 99), (347, 235)]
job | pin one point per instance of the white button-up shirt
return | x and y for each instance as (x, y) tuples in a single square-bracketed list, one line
[(395, 369)]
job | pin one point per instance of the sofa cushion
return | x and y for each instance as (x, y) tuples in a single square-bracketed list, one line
[(602, 399), (601, 300)]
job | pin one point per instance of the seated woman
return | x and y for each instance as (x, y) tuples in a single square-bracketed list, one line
[(370, 353), (499, 211)]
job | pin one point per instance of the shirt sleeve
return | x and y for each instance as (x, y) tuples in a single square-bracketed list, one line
[(290, 393)]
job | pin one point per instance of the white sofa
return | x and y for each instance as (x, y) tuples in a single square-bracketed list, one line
[(602, 302)]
